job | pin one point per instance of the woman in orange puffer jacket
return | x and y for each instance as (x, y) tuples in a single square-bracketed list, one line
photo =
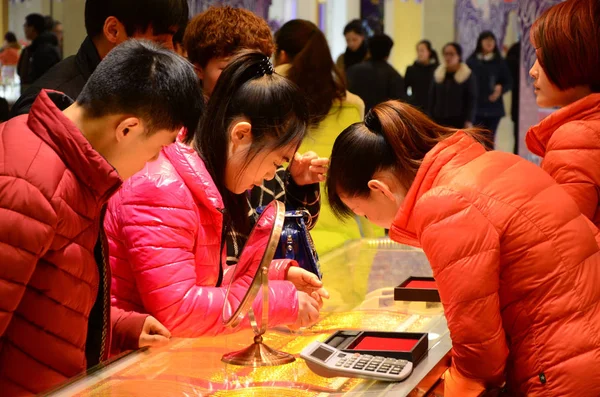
[(566, 75), (515, 261)]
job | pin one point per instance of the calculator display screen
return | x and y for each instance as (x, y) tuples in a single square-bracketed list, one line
[(321, 353)]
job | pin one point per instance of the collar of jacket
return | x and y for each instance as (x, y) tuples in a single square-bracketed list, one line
[(462, 74), (47, 121), (587, 108), (87, 58), (451, 153)]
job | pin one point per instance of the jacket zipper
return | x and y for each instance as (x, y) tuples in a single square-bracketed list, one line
[(223, 212), (106, 295)]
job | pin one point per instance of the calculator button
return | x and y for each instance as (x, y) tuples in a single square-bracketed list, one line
[(341, 355), (395, 372), (367, 357), (339, 364), (383, 370), (358, 366)]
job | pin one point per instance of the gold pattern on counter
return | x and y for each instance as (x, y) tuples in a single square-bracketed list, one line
[(270, 392), (364, 320), (419, 325)]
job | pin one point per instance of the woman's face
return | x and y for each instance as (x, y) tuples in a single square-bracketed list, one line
[(354, 40), (244, 170), (549, 95), (488, 45), (423, 53), (451, 57)]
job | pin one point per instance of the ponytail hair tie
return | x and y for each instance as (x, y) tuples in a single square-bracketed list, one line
[(372, 122), (265, 67)]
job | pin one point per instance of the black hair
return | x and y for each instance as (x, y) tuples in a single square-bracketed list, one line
[(355, 26), (272, 104), (433, 55), (487, 34), (312, 67), (178, 36), (164, 16), (10, 37), (49, 22), (457, 47), (143, 79), (380, 46), (37, 21)]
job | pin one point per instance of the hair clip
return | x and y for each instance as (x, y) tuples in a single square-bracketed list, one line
[(265, 67)]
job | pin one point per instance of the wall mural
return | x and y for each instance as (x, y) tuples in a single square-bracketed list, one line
[(474, 16), (530, 114)]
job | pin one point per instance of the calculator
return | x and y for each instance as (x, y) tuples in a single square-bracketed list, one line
[(330, 362)]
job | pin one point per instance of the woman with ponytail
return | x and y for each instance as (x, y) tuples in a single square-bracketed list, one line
[(302, 55), (166, 225), (520, 296)]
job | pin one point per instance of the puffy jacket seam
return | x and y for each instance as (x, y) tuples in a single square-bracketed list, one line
[(20, 249), (14, 382), (34, 157), (19, 315), (42, 294), (55, 266), (453, 262), (10, 342), (158, 266), (581, 124), (170, 285)]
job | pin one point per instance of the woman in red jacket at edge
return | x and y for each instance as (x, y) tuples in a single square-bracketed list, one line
[(516, 263), (567, 75)]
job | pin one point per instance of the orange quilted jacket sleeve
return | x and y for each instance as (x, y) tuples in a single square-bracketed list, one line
[(463, 248)]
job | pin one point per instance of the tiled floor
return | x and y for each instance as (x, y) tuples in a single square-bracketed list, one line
[(504, 137)]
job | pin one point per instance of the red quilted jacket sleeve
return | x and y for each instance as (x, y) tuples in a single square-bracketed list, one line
[(463, 248), (572, 158), (161, 250), (126, 329), (27, 228)]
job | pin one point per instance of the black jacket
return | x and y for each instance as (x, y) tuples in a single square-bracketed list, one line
[(69, 77), (38, 58), (375, 82), (453, 96), (488, 74), (419, 77)]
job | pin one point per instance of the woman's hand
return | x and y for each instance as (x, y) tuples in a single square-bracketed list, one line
[(308, 168), (308, 283), (308, 311), (497, 93), (154, 334)]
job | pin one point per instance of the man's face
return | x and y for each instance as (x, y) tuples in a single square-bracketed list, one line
[(211, 73), (30, 32), (59, 32)]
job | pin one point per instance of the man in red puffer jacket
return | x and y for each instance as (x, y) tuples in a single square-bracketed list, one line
[(57, 171)]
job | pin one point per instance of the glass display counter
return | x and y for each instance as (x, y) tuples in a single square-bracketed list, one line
[(360, 277)]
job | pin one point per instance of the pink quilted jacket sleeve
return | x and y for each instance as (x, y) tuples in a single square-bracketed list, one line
[(277, 271), (466, 269), (160, 241)]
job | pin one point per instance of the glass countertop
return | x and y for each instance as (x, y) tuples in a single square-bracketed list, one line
[(360, 277)]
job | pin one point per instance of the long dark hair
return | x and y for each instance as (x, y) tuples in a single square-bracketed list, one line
[(487, 34), (273, 105), (393, 136), (313, 69), (432, 53)]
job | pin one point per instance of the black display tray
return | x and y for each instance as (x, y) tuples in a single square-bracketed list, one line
[(415, 289), (350, 342)]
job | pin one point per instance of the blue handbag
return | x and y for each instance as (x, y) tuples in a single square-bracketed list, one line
[(296, 242)]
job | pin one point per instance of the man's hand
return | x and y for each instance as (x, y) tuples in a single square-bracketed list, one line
[(154, 334), (497, 93), (308, 168)]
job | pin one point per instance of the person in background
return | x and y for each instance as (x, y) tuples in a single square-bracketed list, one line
[(453, 93), (375, 80), (493, 80), (59, 170), (9, 55), (566, 76), (419, 76), (513, 61), (356, 50), (210, 45), (41, 55), (108, 23), (499, 234), (59, 32), (303, 56), (182, 204)]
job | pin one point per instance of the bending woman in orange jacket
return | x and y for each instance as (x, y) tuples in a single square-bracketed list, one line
[(515, 261), (566, 75)]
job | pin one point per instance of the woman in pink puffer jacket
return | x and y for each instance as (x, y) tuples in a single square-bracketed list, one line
[(167, 223)]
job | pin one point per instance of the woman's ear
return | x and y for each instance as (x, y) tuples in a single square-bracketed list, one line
[(240, 136), (282, 58), (380, 186)]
